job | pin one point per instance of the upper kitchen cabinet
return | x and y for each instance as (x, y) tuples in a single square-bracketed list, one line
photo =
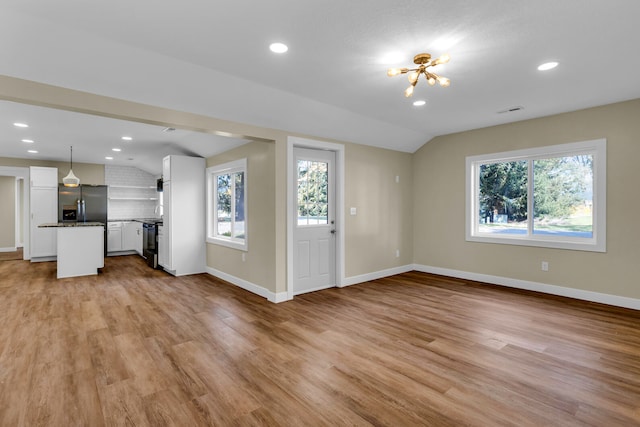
[(166, 168), (44, 209), (184, 215), (44, 177)]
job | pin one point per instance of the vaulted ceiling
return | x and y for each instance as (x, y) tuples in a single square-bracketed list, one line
[(212, 57)]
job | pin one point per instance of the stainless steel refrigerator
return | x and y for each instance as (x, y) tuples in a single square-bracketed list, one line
[(85, 203)]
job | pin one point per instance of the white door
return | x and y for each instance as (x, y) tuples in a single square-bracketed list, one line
[(314, 235)]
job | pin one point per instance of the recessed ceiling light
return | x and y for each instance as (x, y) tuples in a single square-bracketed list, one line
[(419, 103), (278, 47), (126, 138), (547, 66), (28, 141), (21, 125), (116, 149), (32, 151), (108, 158)]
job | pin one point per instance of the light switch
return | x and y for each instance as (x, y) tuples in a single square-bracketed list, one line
[(353, 211)]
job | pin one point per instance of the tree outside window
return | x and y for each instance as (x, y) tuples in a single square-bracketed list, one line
[(549, 196)]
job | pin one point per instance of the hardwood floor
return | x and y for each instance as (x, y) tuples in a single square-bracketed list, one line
[(10, 256), (134, 346)]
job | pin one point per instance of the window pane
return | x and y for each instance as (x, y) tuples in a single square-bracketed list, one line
[(223, 226), (503, 198), (238, 228), (563, 196), (312, 192)]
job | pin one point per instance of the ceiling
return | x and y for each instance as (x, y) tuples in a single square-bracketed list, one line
[(211, 57), (95, 138)]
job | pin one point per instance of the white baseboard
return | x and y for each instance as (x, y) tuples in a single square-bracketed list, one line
[(10, 249), (44, 259), (535, 286), (120, 253), (354, 280), (248, 286)]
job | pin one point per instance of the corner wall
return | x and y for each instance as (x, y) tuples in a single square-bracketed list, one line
[(439, 203), (259, 266), (384, 210)]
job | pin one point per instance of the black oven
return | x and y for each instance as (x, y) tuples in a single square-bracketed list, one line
[(150, 243)]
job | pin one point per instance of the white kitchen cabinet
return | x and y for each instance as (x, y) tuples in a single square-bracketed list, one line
[(184, 215), (162, 247), (137, 226), (44, 209), (114, 237), (44, 177), (166, 241), (124, 236), (166, 168), (130, 236)]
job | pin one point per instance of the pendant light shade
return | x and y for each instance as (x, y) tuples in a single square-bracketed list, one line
[(71, 180)]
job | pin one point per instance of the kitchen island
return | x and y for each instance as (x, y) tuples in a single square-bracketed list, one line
[(80, 248)]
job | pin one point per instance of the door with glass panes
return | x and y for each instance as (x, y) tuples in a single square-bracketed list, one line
[(314, 254)]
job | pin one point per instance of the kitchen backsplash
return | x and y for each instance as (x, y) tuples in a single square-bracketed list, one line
[(132, 193)]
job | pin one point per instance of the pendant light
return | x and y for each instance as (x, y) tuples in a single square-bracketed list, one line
[(71, 180)]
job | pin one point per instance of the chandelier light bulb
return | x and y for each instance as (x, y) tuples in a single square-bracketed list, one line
[(409, 91), (413, 76), (431, 81), (394, 72), (444, 59), (444, 82)]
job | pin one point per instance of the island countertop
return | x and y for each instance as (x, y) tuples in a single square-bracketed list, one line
[(71, 224)]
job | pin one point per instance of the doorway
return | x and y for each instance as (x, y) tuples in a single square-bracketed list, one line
[(315, 200)]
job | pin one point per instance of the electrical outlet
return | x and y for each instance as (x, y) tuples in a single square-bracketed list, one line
[(545, 266), (397, 253)]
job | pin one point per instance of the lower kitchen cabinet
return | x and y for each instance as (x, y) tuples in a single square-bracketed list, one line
[(124, 236), (130, 236), (162, 247), (138, 236), (114, 237)]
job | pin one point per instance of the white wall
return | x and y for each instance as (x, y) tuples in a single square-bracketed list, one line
[(122, 181)]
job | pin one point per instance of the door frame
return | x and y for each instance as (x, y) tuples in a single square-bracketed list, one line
[(338, 149)]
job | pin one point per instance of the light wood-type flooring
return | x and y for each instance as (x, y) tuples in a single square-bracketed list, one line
[(10, 256), (134, 346)]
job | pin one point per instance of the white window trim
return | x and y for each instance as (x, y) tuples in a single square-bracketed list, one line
[(213, 171), (598, 243)]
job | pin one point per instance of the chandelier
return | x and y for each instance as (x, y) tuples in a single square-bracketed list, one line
[(424, 61)]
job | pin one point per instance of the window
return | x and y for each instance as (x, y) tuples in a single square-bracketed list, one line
[(549, 196), (226, 204), (313, 197)]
